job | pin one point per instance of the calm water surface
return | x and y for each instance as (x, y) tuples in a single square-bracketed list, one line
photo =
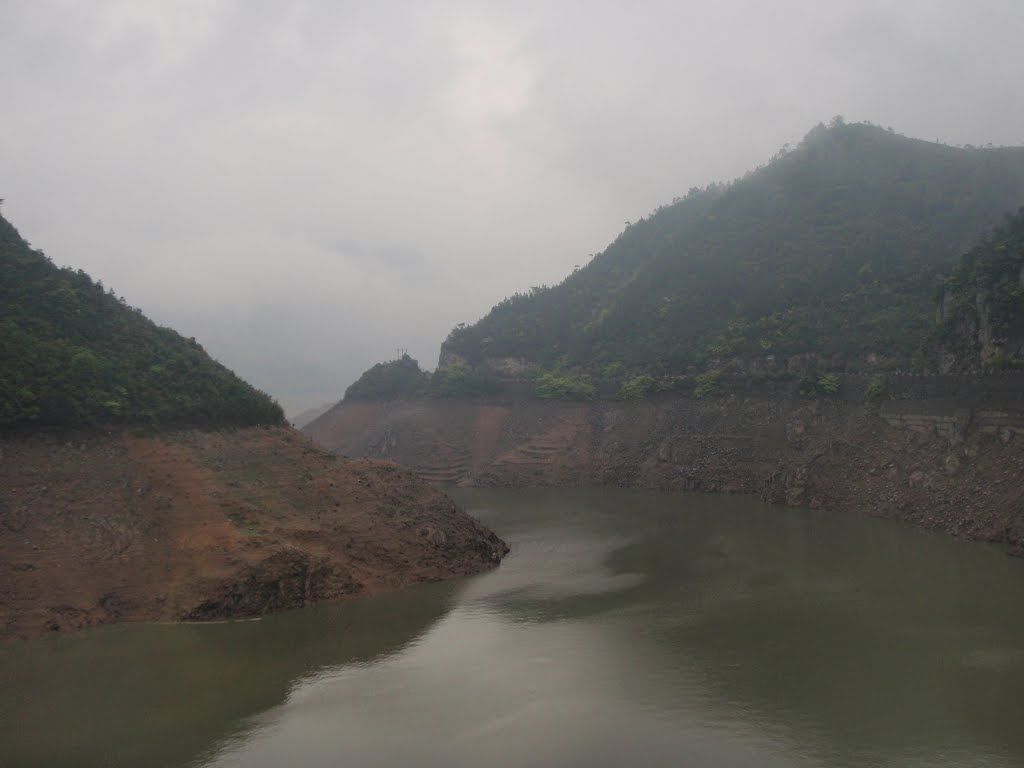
[(624, 629)]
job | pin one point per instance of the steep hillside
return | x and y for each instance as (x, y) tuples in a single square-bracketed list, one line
[(940, 452), (73, 354), (302, 419), (757, 339), (397, 378), (98, 528), (981, 310), (111, 510), (833, 248)]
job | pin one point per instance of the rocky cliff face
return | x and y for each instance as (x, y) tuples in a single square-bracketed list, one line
[(981, 311), (974, 341), (941, 460), (101, 528)]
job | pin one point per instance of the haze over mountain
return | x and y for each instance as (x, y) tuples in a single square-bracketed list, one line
[(756, 337), (74, 354), (835, 248), (142, 480), (253, 174), (300, 420), (981, 310)]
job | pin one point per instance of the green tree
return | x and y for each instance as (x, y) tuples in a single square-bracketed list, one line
[(74, 354)]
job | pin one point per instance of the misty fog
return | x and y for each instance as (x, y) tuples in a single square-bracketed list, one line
[(305, 187)]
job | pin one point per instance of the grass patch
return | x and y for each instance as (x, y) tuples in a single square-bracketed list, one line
[(245, 525)]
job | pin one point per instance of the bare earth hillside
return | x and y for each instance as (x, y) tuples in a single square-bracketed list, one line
[(211, 524), (947, 462)]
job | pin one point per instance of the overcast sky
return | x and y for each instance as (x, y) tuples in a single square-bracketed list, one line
[(305, 186)]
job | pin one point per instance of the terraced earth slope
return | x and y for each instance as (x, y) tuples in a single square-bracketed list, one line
[(940, 452)]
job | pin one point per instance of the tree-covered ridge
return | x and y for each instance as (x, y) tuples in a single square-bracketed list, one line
[(833, 248), (404, 378), (73, 354), (390, 380), (981, 305)]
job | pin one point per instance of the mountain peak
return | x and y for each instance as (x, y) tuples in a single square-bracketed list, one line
[(831, 250)]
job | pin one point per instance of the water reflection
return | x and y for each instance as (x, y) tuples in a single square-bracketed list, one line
[(853, 633), (867, 641), (624, 628), (150, 695)]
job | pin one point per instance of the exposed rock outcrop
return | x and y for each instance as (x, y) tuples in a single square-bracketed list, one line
[(951, 463), (981, 310)]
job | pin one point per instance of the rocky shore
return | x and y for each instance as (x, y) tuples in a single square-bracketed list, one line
[(949, 463)]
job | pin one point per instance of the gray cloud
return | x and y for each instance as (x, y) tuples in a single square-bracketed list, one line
[(305, 186)]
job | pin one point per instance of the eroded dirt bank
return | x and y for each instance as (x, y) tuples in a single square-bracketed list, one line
[(202, 525), (937, 462)]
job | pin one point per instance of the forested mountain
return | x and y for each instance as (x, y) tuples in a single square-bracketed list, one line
[(394, 379), (73, 354), (981, 311), (404, 378), (834, 248)]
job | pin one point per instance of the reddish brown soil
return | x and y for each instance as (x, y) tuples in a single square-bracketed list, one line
[(202, 525)]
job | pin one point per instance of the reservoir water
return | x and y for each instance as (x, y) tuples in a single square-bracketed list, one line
[(624, 629)]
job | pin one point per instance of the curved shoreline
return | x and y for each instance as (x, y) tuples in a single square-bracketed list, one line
[(212, 525)]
